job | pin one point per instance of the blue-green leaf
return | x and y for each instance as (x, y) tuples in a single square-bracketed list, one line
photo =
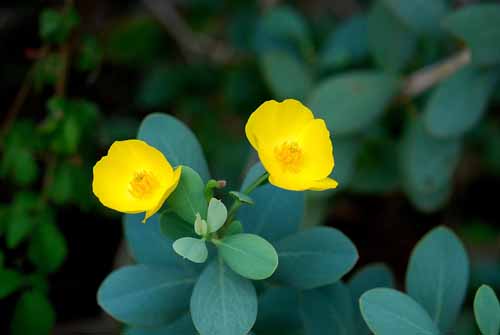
[(278, 67), (191, 248), (392, 44), (390, 312), (176, 141), (249, 255), (459, 103), (437, 276), (181, 326), (314, 257), (216, 215), (223, 303), (33, 315), (146, 295), (282, 320), (328, 310), (422, 16), (188, 198), (276, 213), (173, 227), (347, 44), (369, 277), (352, 101), (478, 26), (487, 311), (345, 150)]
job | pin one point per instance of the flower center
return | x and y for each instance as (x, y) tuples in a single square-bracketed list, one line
[(289, 155), (142, 185)]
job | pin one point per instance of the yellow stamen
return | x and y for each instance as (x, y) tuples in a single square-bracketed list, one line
[(289, 154), (143, 185)]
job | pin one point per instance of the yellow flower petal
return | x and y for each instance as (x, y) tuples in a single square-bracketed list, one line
[(177, 176), (293, 146), (274, 121), (134, 177)]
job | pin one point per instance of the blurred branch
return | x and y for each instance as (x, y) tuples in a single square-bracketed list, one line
[(425, 78), (191, 43)]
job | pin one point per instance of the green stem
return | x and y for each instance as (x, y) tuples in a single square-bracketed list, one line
[(237, 204)]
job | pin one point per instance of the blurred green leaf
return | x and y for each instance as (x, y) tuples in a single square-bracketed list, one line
[(160, 87), (459, 103), (142, 32), (146, 295), (421, 16), (478, 26), (33, 315), (347, 44), (328, 310), (392, 44), (23, 216), (10, 282), (389, 312), (286, 76), (314, 257), (487, 311), (352, 101), (90, 54), (345, 150), (223, 303), (428, 165), (56, 26), (438, 275), (47, 249)]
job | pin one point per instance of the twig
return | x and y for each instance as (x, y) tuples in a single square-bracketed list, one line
[(191, 44), (424, 79)]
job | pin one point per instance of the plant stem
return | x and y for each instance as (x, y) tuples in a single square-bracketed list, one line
[(237, 203)]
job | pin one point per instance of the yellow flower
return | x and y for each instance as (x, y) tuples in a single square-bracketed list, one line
[(294, 147), (134, 177)]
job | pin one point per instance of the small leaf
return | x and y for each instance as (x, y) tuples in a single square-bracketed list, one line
[(328, 310), (173, 227), (33, 315), (487, 311), (249, 255), (420, 16), (437, 276), (191, 248), (90, 54), (216, 215), (222, 302), (188, 199), (10, 281), (459, 103), (389, 312), (47, 249), (146, 295), (372, 92), (478, 26), (278, 67), (244, 198), (56, 26), (392, 44), (315, 257), (200, 226)]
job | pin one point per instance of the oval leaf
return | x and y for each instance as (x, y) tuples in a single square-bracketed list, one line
[(389, 312), (33, 315), (176, 141), (438, 274), (146, 295), (458, 103), (223, 303), (315, 257), (487, 311), (276, 213), (249, 255), (216, 215), (478, 26), (10, 281), (350, 102), (191, 248), (188, 199), (420, 16), (328, 310)]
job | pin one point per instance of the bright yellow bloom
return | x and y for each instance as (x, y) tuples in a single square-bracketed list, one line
[(134, 177), (294, 147)]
